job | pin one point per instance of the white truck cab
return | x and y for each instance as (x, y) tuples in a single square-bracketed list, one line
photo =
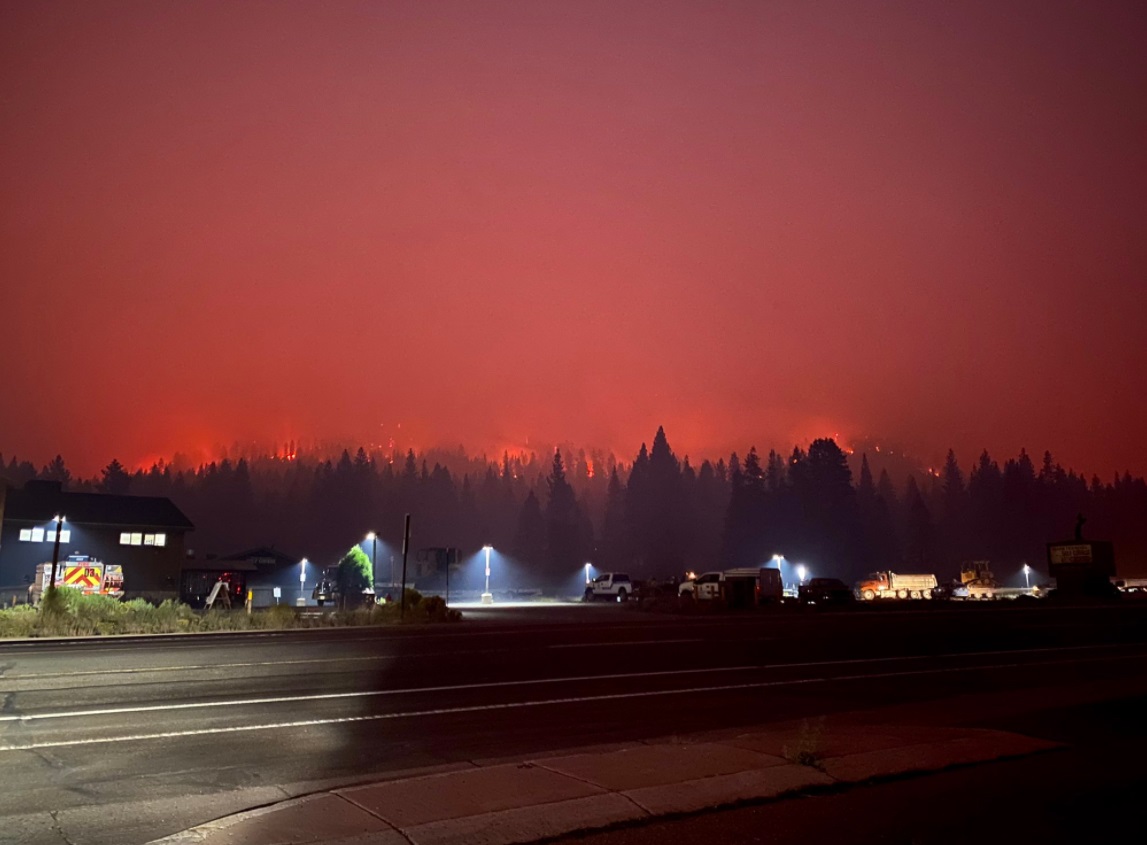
[(610, 585), (704, 586)]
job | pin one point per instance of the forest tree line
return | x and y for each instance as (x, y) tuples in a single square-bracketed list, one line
[(655, 516)]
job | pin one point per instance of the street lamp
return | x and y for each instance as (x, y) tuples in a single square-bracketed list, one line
[(1027, 576), (587, 573), (487, 597), (802, 572), (370, 535), (302, 582)]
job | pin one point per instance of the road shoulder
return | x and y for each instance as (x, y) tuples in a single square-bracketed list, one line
[(548, 796)]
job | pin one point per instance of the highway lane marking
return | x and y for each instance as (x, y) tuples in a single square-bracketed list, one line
[(140, 670), (518, 705), (626, 642), (137, 670), (331, 696)]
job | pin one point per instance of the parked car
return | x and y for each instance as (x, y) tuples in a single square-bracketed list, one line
[(327, 590), (825, 591)]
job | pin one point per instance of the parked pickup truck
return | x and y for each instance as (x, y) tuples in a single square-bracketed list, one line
[(609, 585), (704, 586), (746, 585)]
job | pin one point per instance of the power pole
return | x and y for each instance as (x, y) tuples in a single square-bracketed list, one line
[(56, 553), (405, 549)]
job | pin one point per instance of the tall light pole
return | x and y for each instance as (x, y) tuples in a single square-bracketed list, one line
[(56, 550), (1027, 576), (303, 580), (587, 574), (487, 597), (370, 535)]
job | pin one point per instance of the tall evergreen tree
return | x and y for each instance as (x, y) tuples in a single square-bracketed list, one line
[(530, 538), (564, 550), (115, 479), (613, 542), (918, 553), (953, 528), (56, 470)]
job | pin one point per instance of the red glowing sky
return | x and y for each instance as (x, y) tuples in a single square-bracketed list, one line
[(751, 222)]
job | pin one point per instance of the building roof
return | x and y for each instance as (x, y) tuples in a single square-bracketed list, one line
[(42, 501)]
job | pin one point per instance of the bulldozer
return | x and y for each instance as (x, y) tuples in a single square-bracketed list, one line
[(977, 578)]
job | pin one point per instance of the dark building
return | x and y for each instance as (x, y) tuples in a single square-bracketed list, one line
[(260, 571), (143, 534)]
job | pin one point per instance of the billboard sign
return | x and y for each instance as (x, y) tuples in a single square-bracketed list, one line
[(1070, 553)]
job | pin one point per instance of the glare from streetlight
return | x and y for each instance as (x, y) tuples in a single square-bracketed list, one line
[(802, 572), (370, 535)]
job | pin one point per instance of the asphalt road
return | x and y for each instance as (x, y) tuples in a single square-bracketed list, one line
[(128, 740)]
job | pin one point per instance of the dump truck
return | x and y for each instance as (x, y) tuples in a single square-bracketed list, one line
[(892, 585)]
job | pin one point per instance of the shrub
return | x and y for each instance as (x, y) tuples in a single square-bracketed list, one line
[(66, 612), (18, 621), (276, 617)]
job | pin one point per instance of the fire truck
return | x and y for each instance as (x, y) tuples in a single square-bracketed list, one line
[(79, 572)]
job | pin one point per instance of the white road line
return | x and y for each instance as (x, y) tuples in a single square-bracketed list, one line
[(139, 670), (627, 642), (142, 670), (330, 696), (446, 711)]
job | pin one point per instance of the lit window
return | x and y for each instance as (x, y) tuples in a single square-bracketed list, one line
[(125, 539), (25, 535), (161, 539), (149, 539), (37, 535), (136, 539), (65, 536)]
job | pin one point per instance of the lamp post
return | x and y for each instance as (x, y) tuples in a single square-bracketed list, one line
[(56, 550), (1027, 576), (302, 582), (802, 572), (587, 574), (487, 597), (370, 535)]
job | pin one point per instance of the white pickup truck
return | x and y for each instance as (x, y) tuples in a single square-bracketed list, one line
[(609, 585), (705, 586)]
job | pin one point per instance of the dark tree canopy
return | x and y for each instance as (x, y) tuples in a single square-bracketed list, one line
[(656, 516)]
